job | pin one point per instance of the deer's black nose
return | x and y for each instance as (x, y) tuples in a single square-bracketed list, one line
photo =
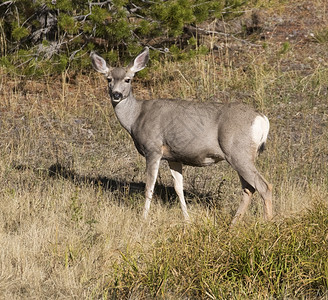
[(117, 95)]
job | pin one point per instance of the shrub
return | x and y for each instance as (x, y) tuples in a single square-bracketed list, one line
[(49, 29)]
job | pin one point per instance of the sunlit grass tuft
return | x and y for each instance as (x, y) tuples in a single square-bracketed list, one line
[(281, 260)]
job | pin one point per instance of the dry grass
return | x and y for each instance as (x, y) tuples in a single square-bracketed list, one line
[(71, 187)]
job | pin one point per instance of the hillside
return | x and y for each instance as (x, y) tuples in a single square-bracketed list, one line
[(72, 182)]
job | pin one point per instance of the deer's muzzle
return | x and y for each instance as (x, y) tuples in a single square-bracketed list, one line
[(117, 96)]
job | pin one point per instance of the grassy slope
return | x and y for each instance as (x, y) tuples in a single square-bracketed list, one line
[(71, 181)]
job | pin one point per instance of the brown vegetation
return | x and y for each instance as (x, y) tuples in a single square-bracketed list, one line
[(71, 187)]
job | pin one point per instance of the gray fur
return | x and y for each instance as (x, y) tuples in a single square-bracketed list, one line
[(190, 133)]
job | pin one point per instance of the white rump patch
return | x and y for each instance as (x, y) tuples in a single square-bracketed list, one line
[(260, 129)]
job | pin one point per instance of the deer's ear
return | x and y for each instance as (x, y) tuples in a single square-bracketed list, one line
[(140, 61), (99, 63)]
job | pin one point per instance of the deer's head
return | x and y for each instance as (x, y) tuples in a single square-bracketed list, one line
[(119, 79)]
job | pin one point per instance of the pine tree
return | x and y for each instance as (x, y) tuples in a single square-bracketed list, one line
[(53, 29)]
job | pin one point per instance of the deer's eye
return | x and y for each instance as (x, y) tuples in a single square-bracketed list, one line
[(109, 79), (127, 80)]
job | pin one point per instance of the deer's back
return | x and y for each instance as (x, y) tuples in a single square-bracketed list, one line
[(192, 133)]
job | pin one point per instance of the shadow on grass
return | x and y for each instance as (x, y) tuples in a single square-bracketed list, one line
[(166, 193)]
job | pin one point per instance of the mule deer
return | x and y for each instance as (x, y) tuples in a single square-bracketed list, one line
[(185, 132)]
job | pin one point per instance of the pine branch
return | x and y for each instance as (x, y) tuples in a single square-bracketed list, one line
[(202, 31)]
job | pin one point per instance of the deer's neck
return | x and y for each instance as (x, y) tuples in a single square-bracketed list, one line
[(127, 111)]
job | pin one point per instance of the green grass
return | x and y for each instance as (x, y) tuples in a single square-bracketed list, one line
[(284, 260)]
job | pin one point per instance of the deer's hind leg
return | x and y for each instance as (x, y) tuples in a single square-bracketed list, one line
[(265, 190), (248, 192), (257, 181), (252, 180)]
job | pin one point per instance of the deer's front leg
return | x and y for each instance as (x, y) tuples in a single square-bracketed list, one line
[(176, 171), (152, 166)]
